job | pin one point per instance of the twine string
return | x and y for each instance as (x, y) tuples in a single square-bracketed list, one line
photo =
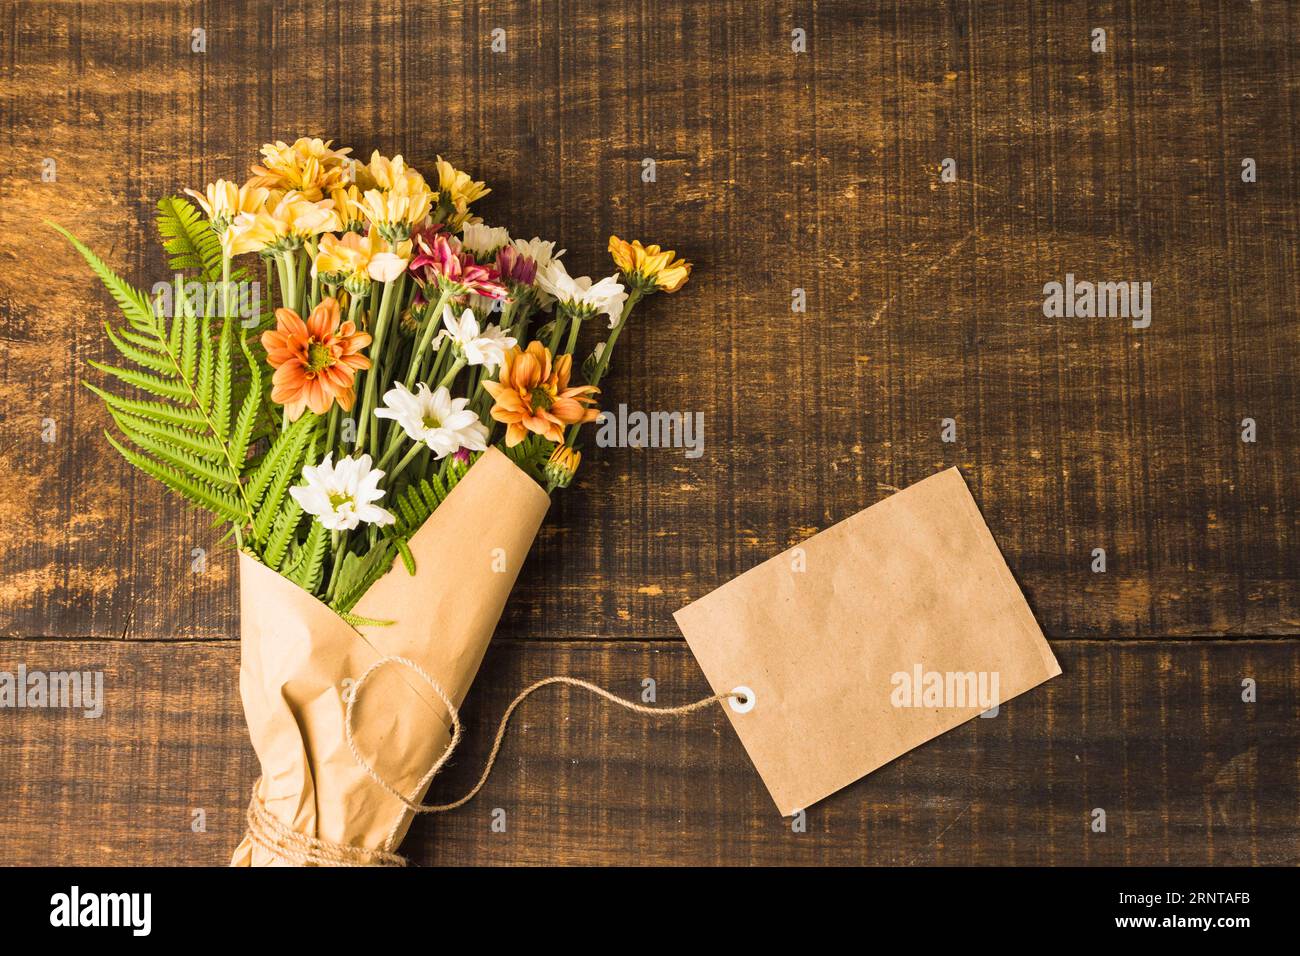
[(269, 832)]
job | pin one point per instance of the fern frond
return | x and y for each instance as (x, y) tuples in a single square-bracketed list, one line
[(158, 385), (144, 354), (357, 573), (161, 411), (357, 620), (285, 449), (248, 410), (288, 470), (135, 305), (196, 491), (221, 383), (286, 524), (188, 238), (196, 443), (183, 460), (310, 566)]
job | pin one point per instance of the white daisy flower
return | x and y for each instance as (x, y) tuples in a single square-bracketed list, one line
[(543, 253), (341, 496), (435, 418), (486, 347), (580, 295), (483, 242)]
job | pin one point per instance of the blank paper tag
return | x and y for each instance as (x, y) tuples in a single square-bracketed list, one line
[(867, 640)]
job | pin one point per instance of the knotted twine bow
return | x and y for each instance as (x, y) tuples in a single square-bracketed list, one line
[(289, 846)]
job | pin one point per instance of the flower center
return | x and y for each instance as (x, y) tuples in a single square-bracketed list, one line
[(338, 500), (319, 356), (541, 398), (432, 421)]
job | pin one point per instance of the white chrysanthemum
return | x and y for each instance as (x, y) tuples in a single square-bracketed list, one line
[(486, 347), (435, 418), (341, 496), (543, 253), (581, 295), (483, 242), (539, 250)]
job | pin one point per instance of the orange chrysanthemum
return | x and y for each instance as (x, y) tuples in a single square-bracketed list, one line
[(315, 361), (533, 395)]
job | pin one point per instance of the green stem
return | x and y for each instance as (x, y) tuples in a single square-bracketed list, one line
[(289, 289), (426, 337), (573, 335), (602, 364), (376, 347), (452, 372), (337, 540), (409, 457)]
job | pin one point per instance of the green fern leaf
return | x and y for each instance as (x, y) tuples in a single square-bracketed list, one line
[(196, 443), (248, 410), (133, 303), (357, 573), (188, 238), (146, 355), (161, 411), (286, 524), (203, 387), (154, 384), (289, 469), (196, 491), (357, 621), (284, 454), (311, 564), (183, 460)]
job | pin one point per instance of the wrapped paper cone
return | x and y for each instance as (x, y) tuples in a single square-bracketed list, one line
[(299, 658)]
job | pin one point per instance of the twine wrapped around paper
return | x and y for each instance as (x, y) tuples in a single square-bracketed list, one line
[(266, 831)]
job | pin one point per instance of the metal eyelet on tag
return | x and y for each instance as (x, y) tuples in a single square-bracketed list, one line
[(737, 704)]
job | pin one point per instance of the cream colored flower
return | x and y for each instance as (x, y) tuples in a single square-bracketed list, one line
[(580, 295), (396, 211), (293, 219), (353, 260), (223, 201), (483, 242), (486, 347)]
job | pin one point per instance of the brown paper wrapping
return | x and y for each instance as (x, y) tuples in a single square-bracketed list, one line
[(298, 658)]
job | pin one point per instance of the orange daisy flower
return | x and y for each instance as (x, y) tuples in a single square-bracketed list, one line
[(533, 395), (315, 361)]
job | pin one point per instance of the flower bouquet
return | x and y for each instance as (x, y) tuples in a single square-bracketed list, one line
[(380, 440)]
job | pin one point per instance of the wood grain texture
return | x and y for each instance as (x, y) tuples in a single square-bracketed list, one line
[(1156, 736), (775, 171)]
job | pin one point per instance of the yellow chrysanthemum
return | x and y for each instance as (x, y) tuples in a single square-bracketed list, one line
[(347, 206), (562, 465), (222, 201), (456, 187), (354, 260), (308, 166), (386, 174), (649, 267), (395, 212), (292, 219)]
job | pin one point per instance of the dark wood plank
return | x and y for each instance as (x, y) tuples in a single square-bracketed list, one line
[(1157, 736), (776, 170)]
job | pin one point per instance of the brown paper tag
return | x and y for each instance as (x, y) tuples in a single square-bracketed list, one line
[(867, 640)]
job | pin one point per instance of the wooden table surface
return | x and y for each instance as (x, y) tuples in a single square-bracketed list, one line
[(775, 170)]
